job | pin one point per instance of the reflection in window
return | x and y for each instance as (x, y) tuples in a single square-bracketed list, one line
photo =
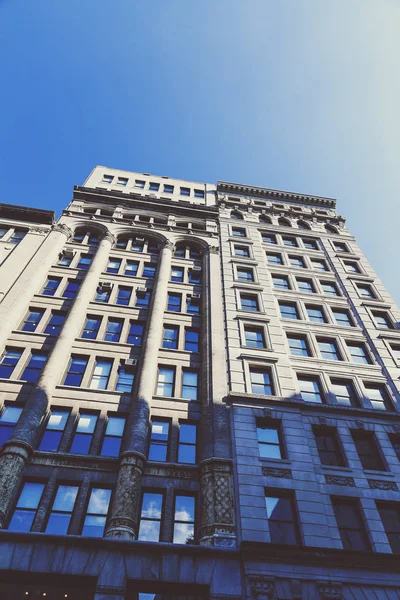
[(187, 443), (113, 436), (83, 434), (96, 514), (281, 518), (150, 518), (159, 440), (184, 519), (54, 430), (61, 511), (26, 508), (8, 420)]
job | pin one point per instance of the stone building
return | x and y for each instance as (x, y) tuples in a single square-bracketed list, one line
[(199, 394)]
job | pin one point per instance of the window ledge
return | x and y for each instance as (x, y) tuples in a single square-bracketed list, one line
[(379, 473), (87, 389), (275, 461), (327, 468), (174, 399)]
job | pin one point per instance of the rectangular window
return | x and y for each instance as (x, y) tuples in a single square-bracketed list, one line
[(135, 334), (305, 285), (281, 518), (125, 380), (154, 187), (65, 261), (269, 441), (114, 265), (177, 274), (51, 286), (310, 244), (191, 339), (71, 289), (358, 353), (168, 189), (365, 290), (289, 241), (288, 311), (83, 434), (274, 259), (34, 367), (238, 232), (149, 270), (329, 289), (137, 245), (91, 328), (84, 262), (378, 396), (96, 514), (114, 329), (131, 268), (8, 362), (101, 374), (113, 437), (192, 305), (187, 443), (280, 282), (27, 505), (244, 274), (329, 450), (298, 345), (54, 431), (8, 420), (254, 336), (310, 389), (249, 302), (107, 178), (55, 323), (139, 183), (344, 392), (150, 517), (170, 337), (382, 320), (93, 240), (194, 277), (189, 385), (316, 314), (32, 320), (142, 299), (319, 265), (124, 295), (184, 519), (242, 251), (159, 441), (165, 383), (268, 238), (396, 353), (122, 181), (350, 524), (260, 381), (174, 302), (339, 247), (198, 194), (17, 236), (102, 295), (76, 370), (297, 261), (342, 317), (390, 516), (61, 511), (185, 191), (351, 266), (328, 349), (3, 231), (367, 449)]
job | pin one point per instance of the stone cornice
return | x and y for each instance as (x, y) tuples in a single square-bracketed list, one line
[(258, 192)]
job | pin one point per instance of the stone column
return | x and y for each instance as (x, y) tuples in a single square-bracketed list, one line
[(123, 523), (20, 446), (16, 301)]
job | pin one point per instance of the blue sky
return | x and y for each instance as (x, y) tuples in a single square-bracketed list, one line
[(299, 95)]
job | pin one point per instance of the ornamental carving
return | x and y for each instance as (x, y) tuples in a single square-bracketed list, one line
[(39, 230), (74, 462), (330, 591), (171, 472), (61, 228), (217, 503), (375, 484), (279, 473), (262, 587), (125, 507), (213, 249), (167, 244), (109, 237), (340, 480)]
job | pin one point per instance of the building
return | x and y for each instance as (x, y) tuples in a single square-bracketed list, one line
[(199, 391)]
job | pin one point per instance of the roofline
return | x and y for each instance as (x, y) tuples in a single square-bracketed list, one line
[(251, 190)]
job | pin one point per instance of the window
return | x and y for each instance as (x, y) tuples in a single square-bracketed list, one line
[(191, 339), (124, 295), (244, 274), (154, 187), (396, 353), (32, 320), (54, 431), (358, 353), (254, 336), (269, 441), (159, 441), (64, 261), (25, 511), (79, 236), (122, 181), (102, 294), (298, 345), (189, 384), (242, 251), (169, 189), (125, 380), (310, 244), (329, 289), (316, 314), (51, 286), (142, 299), (84, 262), (179, 251), (305, 285), (192, 305), (107, 178), (340, 247), (91, 328), (194, 254), (344, 392), (274, 259), (177, 274), (194, 276), (297, 261), (135, 334), (55, 323), (170, 337), (61, 511), (351, 266), (9, 361), (289, 241), (185, 191), (382, 320), (113, 265), (319, 265), (83, 434), (328, 349), (367, 450), (310, 390), (281, 518), (260, 381), (114, 328), (150, 517), (288, 311), (329, 451), (72, 289), (198, 194), (184, 519), (249, 302), (390, 516), (76, 371), (137, 245), (378, 396), (174, 302), (149, 270), (342, 317), (8, 420), (280, 282), (365, 291), (268, 238), (131, 268), (17, 236), (187, 443), (350, 524), (139, 183), (113, 436), (165, 383), (238, 232), (3, 231), (34, 367), (101, 374), (93, 241), (96, 514)]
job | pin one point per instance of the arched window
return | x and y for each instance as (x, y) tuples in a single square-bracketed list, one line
[(330, 228), (265, 219), (303, 225), (82, 236), (284, 222), (138, 244), (185, 250), (236, 215)]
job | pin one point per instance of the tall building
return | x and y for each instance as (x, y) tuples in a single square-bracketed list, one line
[(199, 390)]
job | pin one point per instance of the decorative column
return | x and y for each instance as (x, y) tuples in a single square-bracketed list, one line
[(123, 523), (19, 448), (16, 301), (217, 527)]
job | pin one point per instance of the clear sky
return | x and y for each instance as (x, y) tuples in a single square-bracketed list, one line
[(300, 95)]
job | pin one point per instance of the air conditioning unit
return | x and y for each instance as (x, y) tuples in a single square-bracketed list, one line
[(130, 364), (196, 268), (140, 291), (139, 239), (68, 253), (197, 296), (106, 286)]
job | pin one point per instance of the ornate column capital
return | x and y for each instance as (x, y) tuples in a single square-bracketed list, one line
[(261, 587), (109, 237), (329, 590), (61, 228), (212, 250), (167, 244)]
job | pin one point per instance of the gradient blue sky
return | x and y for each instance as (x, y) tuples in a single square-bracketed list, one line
[(300, 95)]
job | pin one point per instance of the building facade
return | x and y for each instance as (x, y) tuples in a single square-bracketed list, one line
[(199, 387)]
